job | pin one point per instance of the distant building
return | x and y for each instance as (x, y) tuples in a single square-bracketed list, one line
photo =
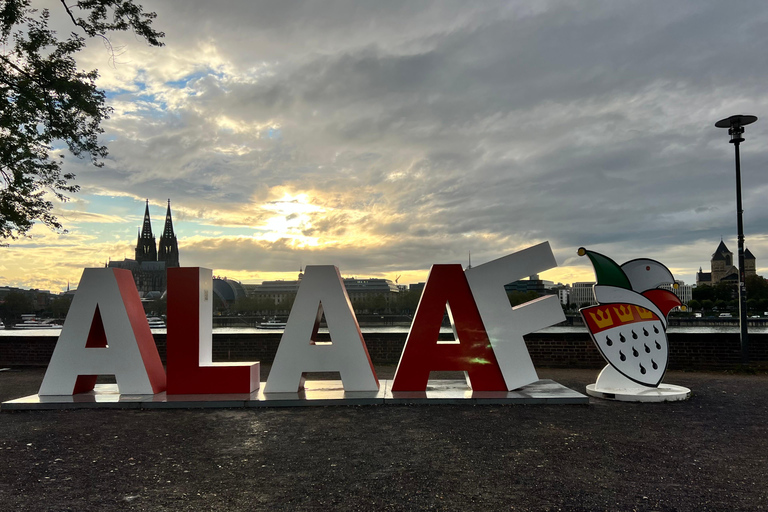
[(357, 289), (276, 291), (723, 269), (150, 264), (228, 291), (540, 287), (532, 284), (683, 291), (361, 289), (416, 287), (581, 293)]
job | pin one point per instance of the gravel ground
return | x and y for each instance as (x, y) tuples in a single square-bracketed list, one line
[(708, 453)]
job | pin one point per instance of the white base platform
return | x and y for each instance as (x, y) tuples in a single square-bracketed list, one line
[(663, 393), (315, 393), (612, 385)]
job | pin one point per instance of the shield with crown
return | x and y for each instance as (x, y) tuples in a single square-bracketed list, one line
[(629, 323), (632, 339)]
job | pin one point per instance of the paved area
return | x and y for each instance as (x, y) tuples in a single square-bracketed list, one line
[(707, 453)]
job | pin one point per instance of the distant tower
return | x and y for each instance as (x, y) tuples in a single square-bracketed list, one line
[(750, 267), (168, 251), (146, 247)]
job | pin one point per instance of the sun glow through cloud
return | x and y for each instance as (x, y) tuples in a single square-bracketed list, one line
[(292, 217)]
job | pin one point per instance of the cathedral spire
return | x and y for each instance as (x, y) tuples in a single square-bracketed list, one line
[(146, 228), (168, 229), (146, 248), (169, 247)]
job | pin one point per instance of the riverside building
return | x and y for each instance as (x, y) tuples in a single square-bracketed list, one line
[(358, 289), (581, 293)]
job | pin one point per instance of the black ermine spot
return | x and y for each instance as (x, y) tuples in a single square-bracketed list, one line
[(658, 346), (655, 329), (634, 335), (622, 338), (647, 348), (642, 369), (635, 352), (608, 341), (622, 356), (655, 366), (645, 332)]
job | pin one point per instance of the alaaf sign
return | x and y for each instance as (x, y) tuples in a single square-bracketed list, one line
[(106, 333)]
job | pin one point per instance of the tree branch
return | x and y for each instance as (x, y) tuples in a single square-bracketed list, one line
[(107, 42)]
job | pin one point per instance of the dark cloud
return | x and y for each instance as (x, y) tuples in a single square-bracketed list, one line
[(441, 127)]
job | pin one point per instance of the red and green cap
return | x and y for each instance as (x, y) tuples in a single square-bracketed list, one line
[(607, 271)]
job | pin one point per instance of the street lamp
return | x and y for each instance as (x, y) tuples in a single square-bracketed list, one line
[(735, 125)]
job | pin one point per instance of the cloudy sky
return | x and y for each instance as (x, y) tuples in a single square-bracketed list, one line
[(383, 137)]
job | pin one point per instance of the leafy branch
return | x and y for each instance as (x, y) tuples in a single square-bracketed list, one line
[(46, 101)]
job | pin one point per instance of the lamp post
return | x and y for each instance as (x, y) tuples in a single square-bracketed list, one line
[(735, 125)]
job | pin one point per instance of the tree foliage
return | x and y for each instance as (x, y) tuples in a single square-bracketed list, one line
[(48, 104), (59, 306), (516, 297), (757, 287), (13, 305), (721, 291)]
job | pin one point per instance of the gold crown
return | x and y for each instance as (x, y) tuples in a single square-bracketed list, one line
[(605, 319), (644, 313), (624, 313)]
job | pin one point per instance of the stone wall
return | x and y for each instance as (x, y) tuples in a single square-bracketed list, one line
[(714, 351)]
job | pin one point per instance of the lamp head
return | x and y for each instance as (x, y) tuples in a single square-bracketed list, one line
[(735, 125)]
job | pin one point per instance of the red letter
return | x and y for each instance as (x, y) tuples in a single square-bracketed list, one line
[(472, 352), (189, 355)]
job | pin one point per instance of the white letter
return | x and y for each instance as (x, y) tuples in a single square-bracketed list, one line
[(321, 290), (105, 333), (505, 325)]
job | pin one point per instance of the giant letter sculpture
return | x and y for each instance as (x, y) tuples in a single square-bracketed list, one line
[(506, 325), (191, 369), (321, 291), (106, 333), (471, 353)]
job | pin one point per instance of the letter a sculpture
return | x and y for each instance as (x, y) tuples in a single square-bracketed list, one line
[(629, 328)]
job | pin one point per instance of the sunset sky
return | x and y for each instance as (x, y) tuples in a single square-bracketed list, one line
[(383, 137)]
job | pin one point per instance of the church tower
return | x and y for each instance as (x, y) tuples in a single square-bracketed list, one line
[(750, 267), (146, 247), (169, 246)]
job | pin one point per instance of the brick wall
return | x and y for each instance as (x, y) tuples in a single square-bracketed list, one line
[(557, 350)]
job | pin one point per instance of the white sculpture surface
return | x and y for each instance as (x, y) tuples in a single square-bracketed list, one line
[(321, 291), (106, 298), (506, 325)]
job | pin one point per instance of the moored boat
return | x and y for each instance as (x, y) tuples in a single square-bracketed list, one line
[(155, 322), (31, 322), (272, 323)]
